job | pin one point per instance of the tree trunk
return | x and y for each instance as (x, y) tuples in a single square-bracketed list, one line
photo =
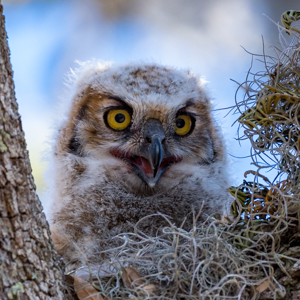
[(29, 268)]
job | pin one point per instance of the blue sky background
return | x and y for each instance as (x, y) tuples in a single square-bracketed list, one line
[(47, 37)]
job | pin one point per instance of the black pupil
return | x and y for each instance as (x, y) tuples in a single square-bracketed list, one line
[(180, 123), (120, 118)]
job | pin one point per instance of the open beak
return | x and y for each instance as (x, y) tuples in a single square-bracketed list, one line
[(152, 162), (152, 154)]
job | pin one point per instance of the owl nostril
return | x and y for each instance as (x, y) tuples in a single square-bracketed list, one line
[(149, 140)]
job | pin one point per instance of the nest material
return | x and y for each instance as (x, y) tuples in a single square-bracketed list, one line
[(255, 255)]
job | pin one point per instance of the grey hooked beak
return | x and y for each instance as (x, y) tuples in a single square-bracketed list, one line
[(155, 154), (153, 149)]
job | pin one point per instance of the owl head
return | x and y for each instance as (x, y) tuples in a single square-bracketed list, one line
[(144, 126)]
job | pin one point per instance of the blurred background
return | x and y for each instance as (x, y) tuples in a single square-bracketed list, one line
[(208, 37)]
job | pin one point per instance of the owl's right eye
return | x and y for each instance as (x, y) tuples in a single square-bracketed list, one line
[(118, 119)]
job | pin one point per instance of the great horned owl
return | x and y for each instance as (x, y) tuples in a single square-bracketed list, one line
[(138, 139)]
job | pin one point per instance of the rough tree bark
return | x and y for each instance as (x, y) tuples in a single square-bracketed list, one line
[(28, 263)]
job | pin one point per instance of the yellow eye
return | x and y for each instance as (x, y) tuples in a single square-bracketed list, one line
[(118, 119), (183, 124)]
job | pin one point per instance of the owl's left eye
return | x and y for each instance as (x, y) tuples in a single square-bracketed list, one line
[(183, 125), (118, 119)]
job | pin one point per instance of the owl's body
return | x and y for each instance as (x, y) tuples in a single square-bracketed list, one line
[(137, 140)]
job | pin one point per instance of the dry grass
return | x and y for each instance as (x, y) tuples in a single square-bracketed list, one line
[(256, 254)]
